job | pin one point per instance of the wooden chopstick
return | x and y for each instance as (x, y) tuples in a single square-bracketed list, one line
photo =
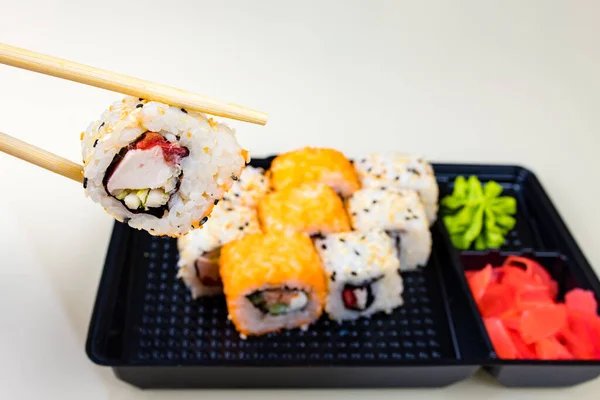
[(115, 82), (41, 158)]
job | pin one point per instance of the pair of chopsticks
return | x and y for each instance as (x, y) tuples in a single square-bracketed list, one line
[(115, 82)]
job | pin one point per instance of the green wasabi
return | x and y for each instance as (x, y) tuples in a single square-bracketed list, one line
[(476, 215)]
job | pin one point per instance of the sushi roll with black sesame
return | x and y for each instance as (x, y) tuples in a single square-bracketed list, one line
[(200, 249), (401, 214), (394, 170), (157, 167), (251, 186), (363, 273)]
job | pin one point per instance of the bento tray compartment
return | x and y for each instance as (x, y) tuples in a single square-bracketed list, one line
[(168, 327), (538, 373)]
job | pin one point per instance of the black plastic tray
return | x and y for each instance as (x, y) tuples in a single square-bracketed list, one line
[(146, 327)]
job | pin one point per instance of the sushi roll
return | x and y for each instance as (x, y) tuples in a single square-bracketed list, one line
[(311, 208), (199, 250), (251, 186), (272, 281), (157, 167), (312, 164), (401, 214), (363, 273), (394, 170)]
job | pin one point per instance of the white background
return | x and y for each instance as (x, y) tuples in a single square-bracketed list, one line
[(494, 82)]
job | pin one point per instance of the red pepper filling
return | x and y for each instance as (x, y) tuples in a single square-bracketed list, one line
[(349, 298), (172, 153)]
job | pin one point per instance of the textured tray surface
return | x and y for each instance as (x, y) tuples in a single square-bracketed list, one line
[(169, 327)]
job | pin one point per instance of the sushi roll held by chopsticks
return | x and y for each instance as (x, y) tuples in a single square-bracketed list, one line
[(157, 167), (153, 160)]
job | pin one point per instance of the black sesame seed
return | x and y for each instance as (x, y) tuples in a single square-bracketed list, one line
[(374, 201), (351, 161), (366, 210), (384, 188), (85, 182), (95, 143), (101, 125), (247, 223), (397, 178), (342, 240), (333, 276), (407, 218), (235, 178), (236, 194), (140, 99), (241, 228), (178, 137), (203, 221), (216, 201), (229, 209), (354, 214), (369, 170), (363, 160), (324, 246), (357, 253), (363, 237), (139, 106), (183, 110), (318, 236), (353, 273)]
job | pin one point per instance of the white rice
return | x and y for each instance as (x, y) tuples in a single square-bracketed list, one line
[(252, 185), (400, 171), (215, 156), (401, 213), (227, 222), (355, 258)]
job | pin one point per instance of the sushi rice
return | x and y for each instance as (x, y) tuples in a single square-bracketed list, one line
[(199, 249), (363, 272), (195, 161), (399, 171), (401, 214), (251, 186)]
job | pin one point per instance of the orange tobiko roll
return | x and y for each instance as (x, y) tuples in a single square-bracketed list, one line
[(272, 281), (311, 208), (311, 164)]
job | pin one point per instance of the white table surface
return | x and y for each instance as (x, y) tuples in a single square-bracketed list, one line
[(514, 82)]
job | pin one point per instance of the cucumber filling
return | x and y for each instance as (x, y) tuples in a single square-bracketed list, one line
[(279, 301)]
